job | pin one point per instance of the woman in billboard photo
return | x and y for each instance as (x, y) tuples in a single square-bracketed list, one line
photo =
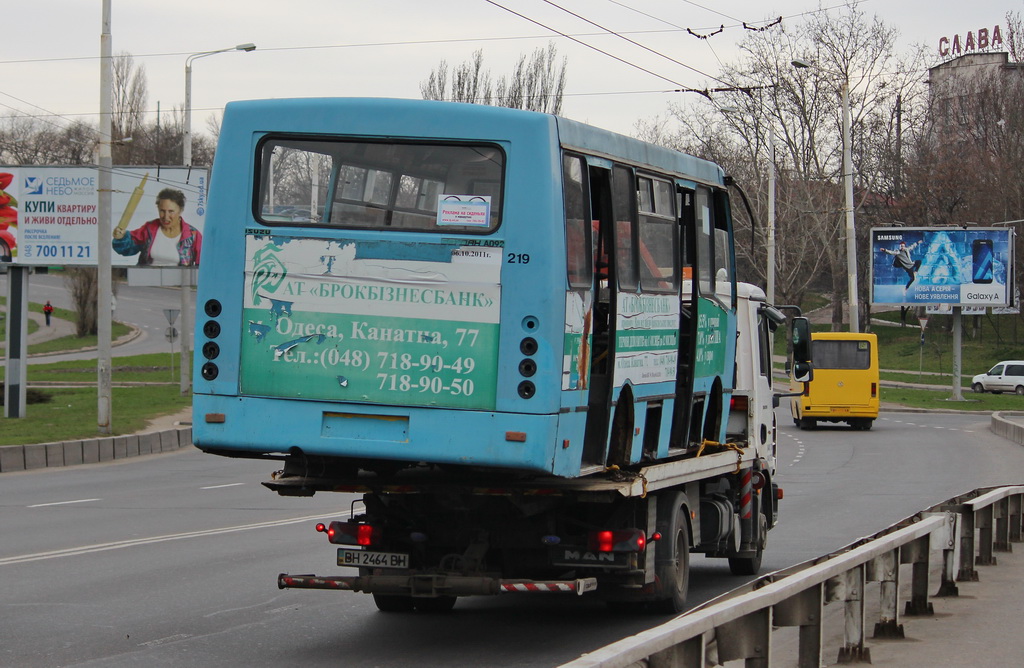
[(165, 241)]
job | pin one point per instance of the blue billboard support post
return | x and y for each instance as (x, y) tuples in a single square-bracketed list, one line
[(17, 348)]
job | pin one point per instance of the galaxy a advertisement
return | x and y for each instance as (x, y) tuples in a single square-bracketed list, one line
[(957, 266)]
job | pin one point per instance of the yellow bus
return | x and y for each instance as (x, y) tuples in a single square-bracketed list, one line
[(845, 384)]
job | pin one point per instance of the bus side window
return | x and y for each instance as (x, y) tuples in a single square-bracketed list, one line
[(623, 200), (658, 235), (725, 260), (577, 224), (702, 241)]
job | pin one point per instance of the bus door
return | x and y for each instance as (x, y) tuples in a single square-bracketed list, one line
[(602, 352), (707, 316), (683, 413)]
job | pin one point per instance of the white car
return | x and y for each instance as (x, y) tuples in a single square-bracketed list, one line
[(1004, 377)]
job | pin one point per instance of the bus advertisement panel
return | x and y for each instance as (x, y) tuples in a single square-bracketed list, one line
[(957, 266), (48, 215), (340, 320)]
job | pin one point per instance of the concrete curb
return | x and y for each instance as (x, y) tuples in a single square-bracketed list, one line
[(1003, 425), (91, 451)]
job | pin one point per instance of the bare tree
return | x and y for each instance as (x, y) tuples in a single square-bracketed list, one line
[(537, 82), (469, 82), (82, 284), (130, 103), (799, 111)]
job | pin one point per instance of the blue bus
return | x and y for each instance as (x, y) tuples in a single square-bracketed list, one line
[(388, 282)]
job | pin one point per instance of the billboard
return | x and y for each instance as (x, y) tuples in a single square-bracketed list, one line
[(946, 265), (48, 215)]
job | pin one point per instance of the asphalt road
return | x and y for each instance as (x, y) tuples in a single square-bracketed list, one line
[(141, 306), (172, 559)]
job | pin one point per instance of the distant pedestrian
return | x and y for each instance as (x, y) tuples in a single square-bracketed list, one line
[(48, 311)]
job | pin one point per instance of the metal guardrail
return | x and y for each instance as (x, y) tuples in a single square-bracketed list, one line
[(966, 529)]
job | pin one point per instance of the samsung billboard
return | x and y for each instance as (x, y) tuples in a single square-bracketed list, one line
[(970, 266)]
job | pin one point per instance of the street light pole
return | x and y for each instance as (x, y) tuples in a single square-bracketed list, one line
[(770, 246), (104, 289), (851, 235), (186, 144), (186, 160)]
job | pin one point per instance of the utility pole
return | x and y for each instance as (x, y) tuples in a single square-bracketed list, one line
[(104, 326)]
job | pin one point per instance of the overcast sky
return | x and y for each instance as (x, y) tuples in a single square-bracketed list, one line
[(313, 48)]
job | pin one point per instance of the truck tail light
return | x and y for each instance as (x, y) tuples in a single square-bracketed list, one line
[(738, 402), (350, 533), (627, 540)]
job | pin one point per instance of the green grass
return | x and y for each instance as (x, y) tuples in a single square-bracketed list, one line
[(154, 368), (71, 414), (942, 400)]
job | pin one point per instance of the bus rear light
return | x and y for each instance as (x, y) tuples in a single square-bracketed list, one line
[(527, 368), (216, 418), (350, 533), (528, 346), (210, 371), (739, 402), (527, 389), (874, 390), (626, 540), (212, 308)]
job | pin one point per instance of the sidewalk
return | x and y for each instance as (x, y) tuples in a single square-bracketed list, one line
[(979, 627)]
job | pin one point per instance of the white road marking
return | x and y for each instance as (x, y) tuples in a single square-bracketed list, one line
[(136, 542), (62, 503), (232, 484)]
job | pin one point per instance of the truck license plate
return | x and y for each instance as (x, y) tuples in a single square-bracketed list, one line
[(347, 557)]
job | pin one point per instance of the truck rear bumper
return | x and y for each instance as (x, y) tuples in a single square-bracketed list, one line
[(435, 585)]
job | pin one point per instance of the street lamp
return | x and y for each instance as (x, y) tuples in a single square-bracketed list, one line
[(186, 150), (186, 159), (851, 237), (186, 140)]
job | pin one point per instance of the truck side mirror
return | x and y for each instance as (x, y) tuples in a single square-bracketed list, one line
[(801, 340)]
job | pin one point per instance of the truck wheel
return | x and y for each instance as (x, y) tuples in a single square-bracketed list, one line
[(672, 560), (439, 604), (752, 565), (389, 603)]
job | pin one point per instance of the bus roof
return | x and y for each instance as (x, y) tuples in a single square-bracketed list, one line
[(421, 118), (843, 336)]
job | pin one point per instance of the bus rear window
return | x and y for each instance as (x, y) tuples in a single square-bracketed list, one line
[(841, 354), (372, 185)]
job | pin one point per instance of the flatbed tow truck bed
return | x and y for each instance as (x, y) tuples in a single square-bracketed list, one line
[(426, 480)]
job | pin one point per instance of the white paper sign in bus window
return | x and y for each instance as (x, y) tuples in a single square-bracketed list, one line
[(464, 210)]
